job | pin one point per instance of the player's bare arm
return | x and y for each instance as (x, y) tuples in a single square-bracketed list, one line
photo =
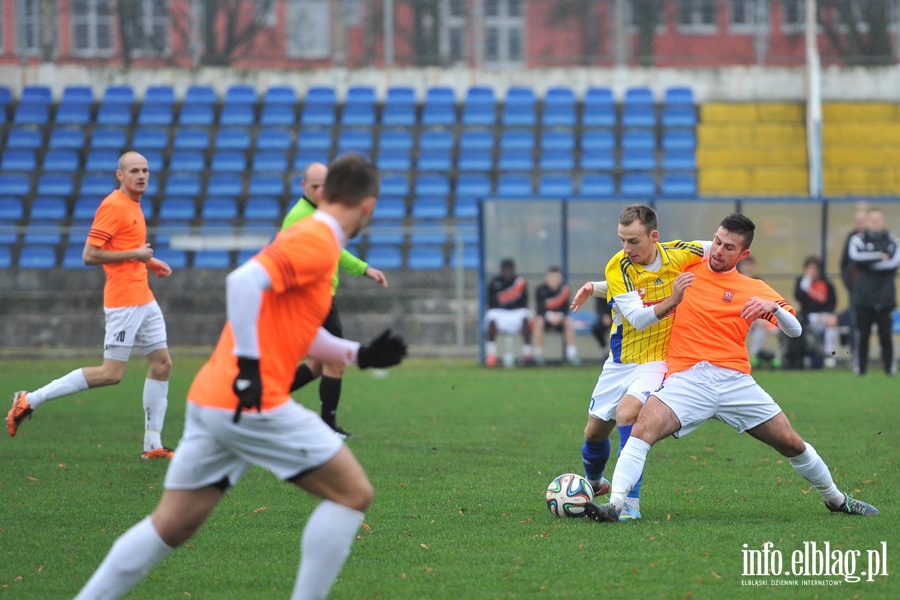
[(581, 296), (681, 283), (756, 308), (159, 267), (377, 275), (93, 255)]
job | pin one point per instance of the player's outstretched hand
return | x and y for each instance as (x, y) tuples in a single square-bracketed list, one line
[(248, 386), (384, 351), (581, 296)]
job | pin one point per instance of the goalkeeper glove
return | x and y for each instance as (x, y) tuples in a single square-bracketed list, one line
[(384, 351), (247, 386)]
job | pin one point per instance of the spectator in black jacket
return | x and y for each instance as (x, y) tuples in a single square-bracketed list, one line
[(817, 301), (507, 300), (552, 313), (876, 254)]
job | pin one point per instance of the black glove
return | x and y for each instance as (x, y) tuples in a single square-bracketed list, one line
[(248, 386), (384, 351)]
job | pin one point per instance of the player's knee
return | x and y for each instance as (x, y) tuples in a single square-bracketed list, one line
[(360, 497), (335, 370)]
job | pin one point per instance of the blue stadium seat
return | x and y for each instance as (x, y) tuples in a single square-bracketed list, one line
[(600, 186), (212, 259), (15, 184), (262, 209), (465, 207), (682, 185), (302, 158), (64, 138), (355, 140), (515, 160), (79, 230), (394, 160), (5, 257), (187, 161), (637, 186), (399, 107), (434, 160), (439, 107), (425, 257), (679, 160), (679, 139), (385, 233), (359, 107), (160, 94), (73, 257), (277, 114), (638, 96), (200, 95), (390, 208), (315, 139), (190, 138), (274, 138), (557, 140), (638, 116), (8, 234), (11, 209), (36, 94), (177, 208), (475, 161), (86, 207), (183, 185), (61, 160), (318, 107), (638, 160), (98, 186), (479, 107), (425, 207), (48, 209), (394, 185), (557, 160), (228, 161), (384, 256), (270, 160), (237, 114), (225, 184), (559, 109), (197, 115), (432, 185), (280, 95), (24, 138), (102, 160), (75, 105), (118, 94), (517, 139), (514, 186), (476, 139), (555, 186), (638, 139), (114, 114), (471, 258), (150, 138), (678, 96), (6, 96), (155, 114), (19, 160), (472, 186), (37, 257), (31, 114), (166, 230), (240, 94), (154, 161), (109, 138), (55, 184), (43, 233), (174, 257), (219, 209), (435, 139), (395, 139), (232, 138), (678, 116), (599, 108), (266, 185), (519, 108)]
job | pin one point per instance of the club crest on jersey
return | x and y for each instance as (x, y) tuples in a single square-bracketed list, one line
[(642, 292), (728, 296)]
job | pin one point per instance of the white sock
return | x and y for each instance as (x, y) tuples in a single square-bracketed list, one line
[(539, 352), (66, 385), (490, 348), (132, 556), (832, 337), (571, 352), (155, 402), (628, 469), (526, 350), (327, 538), (811, 467)]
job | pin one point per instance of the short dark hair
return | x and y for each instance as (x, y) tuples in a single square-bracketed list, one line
[(740, 225), (507, 263), (640, 212), (812, 260), (351, 179)]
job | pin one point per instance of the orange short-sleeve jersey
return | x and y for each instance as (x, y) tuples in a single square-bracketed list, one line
[(708, 325), (119, 225), (300, 263)]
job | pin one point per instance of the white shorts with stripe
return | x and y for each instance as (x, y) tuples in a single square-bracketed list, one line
[(618, 379), (129, 326), (508, 320), (288, 440), (706, 391)]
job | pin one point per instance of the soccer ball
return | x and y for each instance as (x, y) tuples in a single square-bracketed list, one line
[(567, 494)]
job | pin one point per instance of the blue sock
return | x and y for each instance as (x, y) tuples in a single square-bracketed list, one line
[(594, 455), (624, 434)]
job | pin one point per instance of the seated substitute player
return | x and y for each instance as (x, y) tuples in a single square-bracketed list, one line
[(118, 241), (640, 278), (240, 412), (508, 313), (817, 299), (332, 372), (709, 373), (552, 313)]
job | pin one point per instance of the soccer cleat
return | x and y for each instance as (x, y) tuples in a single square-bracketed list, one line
[(341, 432), (629, 513), (601, 488), (162, 452), (602, 513), (20, 411), (490, 360), (852, 506)]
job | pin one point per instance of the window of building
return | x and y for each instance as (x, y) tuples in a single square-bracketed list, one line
[(453, 32), (793, 15), (309, 29), (697, 16), (748, 16), (29, 25), (504, 27), (92, 24), (149, 33)]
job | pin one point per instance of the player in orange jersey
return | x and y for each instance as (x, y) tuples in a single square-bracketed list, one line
[(709, 373), (118, 241), (240, 412)]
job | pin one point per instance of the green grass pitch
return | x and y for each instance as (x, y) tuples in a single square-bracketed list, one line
[(460, 457)]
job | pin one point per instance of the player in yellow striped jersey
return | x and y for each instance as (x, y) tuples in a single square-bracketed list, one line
[(640, 280)]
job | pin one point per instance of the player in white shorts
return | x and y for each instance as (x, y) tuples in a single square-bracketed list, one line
[(507, 312)]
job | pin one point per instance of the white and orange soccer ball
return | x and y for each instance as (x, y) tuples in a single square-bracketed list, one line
[(567, 494)]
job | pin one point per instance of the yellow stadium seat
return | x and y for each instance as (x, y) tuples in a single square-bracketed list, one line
[(775, 180), (727, 112), (780, 112), (713, 181), (858, 112)]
